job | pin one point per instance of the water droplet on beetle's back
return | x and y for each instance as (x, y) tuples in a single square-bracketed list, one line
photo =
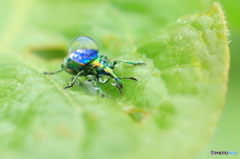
[(82, 43)]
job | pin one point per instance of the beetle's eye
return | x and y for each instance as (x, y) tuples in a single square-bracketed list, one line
[(82, 43)]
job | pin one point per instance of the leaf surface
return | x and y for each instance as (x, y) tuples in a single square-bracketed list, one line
[(169, 113)]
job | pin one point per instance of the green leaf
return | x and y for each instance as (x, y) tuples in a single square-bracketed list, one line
[(169, 113)]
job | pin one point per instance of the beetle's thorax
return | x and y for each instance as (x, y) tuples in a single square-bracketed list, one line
[(96, 63)]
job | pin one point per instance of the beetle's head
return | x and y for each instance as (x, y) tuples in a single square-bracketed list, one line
[(71, 66)]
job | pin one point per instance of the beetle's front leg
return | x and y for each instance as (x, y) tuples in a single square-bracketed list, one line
[(119, 85), (109, 71), (73, 81), (125, 61)]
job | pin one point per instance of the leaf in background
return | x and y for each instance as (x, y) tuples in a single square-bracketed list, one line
[(175, 105)]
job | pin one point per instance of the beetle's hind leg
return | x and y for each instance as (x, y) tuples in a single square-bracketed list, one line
[(50, 73), (129, 62)]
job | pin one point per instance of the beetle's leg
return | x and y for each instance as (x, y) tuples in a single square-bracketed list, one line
[(131, 78), (109, 71), (50, 73), (119, 85), (73, 81), (98, 87), (129, 62)]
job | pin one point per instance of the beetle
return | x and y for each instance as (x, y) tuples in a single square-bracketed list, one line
[(84, 59)]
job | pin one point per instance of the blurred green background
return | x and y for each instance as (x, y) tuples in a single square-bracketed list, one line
[(227, 133)]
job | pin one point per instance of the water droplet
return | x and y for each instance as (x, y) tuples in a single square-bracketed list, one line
[(95, 87), (81, 44), (113, 82), (89, 78), (103, 79), (89, 81)]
